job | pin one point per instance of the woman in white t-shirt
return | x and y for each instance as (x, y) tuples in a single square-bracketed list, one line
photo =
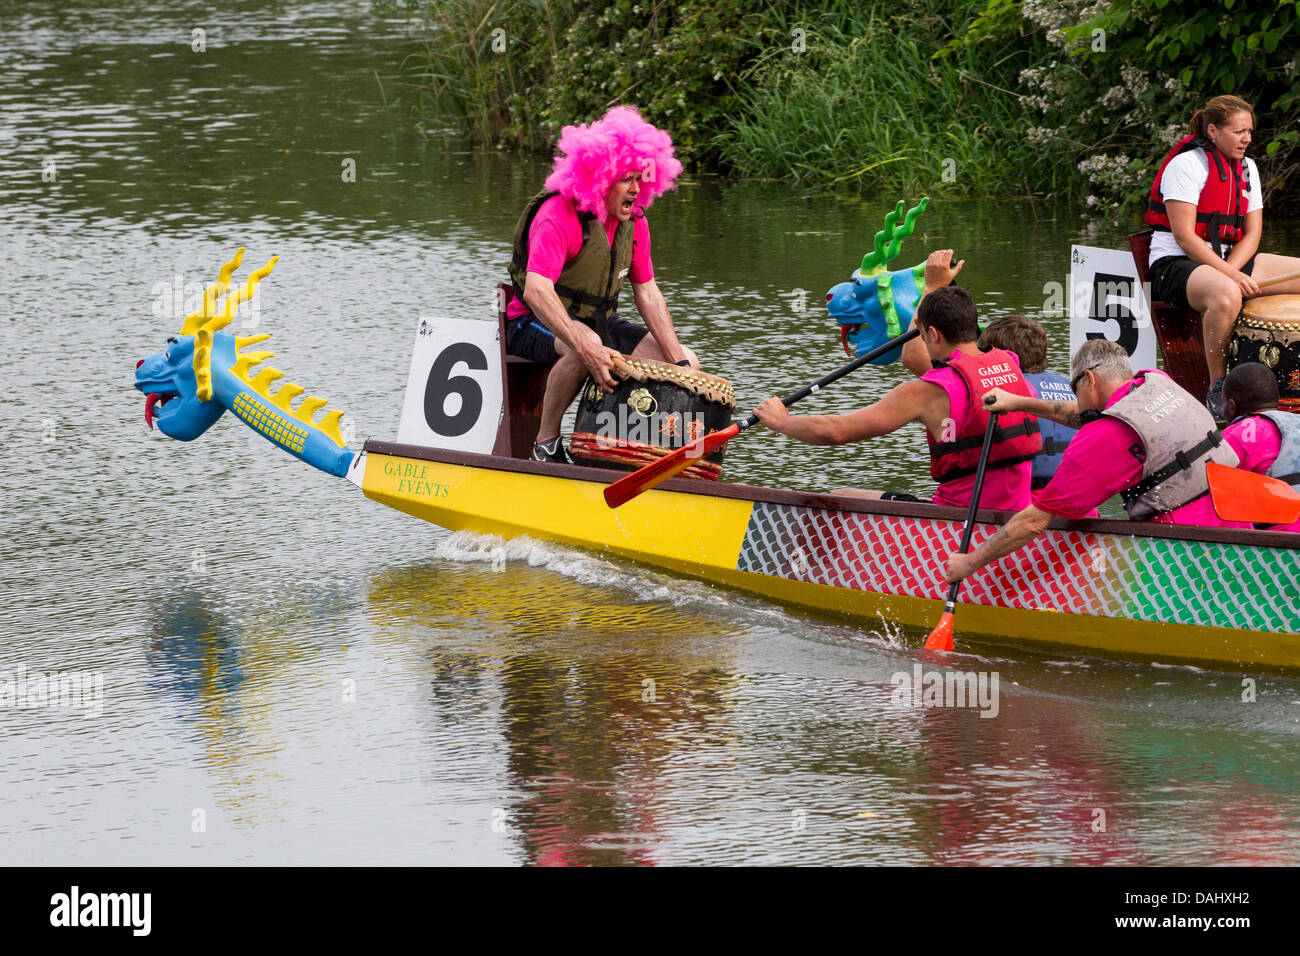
[(1207, 229)]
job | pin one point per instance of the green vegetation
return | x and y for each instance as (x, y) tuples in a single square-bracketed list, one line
[(969, 97)]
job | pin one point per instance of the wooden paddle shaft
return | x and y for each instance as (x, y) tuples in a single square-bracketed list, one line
[(1284, 277)]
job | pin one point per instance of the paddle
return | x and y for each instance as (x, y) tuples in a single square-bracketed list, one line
[(655, 473), (1241, 495), (940, 638)]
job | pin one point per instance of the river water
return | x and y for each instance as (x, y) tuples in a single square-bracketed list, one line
[(293, 674)]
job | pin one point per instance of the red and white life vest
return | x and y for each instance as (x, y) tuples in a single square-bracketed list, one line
[(1016, 438), (1224, 201)]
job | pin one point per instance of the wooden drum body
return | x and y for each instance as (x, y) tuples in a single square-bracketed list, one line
[(643, 420), (1268, 331)]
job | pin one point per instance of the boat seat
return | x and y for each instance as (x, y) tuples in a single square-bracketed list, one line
[(523, 383), (1178, 330)]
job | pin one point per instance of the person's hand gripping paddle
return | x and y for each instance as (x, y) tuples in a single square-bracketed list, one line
[(940, 638), (642, 480)]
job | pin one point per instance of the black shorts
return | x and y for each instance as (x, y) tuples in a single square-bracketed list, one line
[(528, 338), (1169, 277), (904, 496)]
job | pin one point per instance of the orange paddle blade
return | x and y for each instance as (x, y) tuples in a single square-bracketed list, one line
[(1241, 495), (657, 472), (940, 638)]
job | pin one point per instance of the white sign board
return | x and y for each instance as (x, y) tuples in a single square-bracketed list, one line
[(453, 394), (1107, 301)]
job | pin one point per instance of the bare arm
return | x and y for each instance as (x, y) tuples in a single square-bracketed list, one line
[(540, 297), (1182, 223), (654, 310), (1066, 413), (903, 404), (1024, 527), (938, 273)]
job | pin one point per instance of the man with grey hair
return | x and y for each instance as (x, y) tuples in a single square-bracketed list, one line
[(1140, 436)]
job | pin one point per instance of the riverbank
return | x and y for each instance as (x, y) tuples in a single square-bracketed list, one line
[(977, 98)]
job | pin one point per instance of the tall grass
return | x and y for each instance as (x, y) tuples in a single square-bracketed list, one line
[(867, 105)]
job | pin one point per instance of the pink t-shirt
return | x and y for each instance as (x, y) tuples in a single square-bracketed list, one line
[(1006, 488), (1100, 462), (1257, 442), (555, 238)]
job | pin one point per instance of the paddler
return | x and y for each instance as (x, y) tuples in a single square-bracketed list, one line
[(954, 375), (1207, 229), (1140, 436), (575, 243), (1028, 339), (1265, 439)]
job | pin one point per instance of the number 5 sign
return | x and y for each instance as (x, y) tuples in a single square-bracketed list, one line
[(453, 394), (1107, 301)]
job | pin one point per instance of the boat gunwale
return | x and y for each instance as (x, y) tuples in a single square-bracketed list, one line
[(1283, 540)]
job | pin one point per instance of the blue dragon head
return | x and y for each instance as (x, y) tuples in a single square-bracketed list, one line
[(171, 391), (203, 372), (875, 304)]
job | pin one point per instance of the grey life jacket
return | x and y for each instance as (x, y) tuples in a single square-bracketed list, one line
[(1178, 436), (1287, 465)]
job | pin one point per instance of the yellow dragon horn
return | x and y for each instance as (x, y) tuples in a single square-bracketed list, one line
[(216, 323), (211, 294)]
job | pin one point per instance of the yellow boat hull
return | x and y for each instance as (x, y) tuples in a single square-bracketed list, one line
[(1096, 586)]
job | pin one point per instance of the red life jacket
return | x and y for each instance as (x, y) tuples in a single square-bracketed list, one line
[(1016, 438), (1224, 201)]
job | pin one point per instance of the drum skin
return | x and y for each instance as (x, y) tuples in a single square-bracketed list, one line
[(641, 421), (1268, 331)]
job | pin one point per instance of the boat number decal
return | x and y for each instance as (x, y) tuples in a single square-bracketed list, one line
[(453, 390), (441, 385)]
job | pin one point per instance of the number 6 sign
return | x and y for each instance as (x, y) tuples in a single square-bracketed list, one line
[(453, 394)]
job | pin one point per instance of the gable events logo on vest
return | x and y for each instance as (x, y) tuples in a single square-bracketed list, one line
[(76, 909)]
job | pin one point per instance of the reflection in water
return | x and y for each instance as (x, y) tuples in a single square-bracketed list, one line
[(585, 738)]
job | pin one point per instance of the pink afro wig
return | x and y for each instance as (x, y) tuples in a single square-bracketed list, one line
[(592, 158)]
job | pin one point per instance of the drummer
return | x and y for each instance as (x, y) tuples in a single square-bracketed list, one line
[(1204, 253), (566, 279), (1266, 440), (954, 376), (1141, 436)]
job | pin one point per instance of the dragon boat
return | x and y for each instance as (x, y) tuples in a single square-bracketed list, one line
[(1211, 596)]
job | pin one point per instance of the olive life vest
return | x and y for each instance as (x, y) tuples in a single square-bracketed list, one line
[(1178, 438), (588, 285), (1224, 201), (1015, 439), (1051, 387), (1287, 464)]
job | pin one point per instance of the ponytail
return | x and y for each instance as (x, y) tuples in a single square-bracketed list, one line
[(1217, 111)]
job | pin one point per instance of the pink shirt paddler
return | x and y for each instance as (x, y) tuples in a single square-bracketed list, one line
[(1257, 442), (1100, 462), (1005, 488), (555, 238)]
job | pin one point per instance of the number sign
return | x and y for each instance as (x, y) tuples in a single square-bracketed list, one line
[(453, 394), (1107, 301)]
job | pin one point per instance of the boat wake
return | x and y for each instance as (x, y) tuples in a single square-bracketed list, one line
[(651, 586)]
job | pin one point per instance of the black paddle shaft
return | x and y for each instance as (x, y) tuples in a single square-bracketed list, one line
[(980, 469), (839, 373)]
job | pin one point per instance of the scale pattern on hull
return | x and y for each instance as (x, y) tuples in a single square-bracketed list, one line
[(1146, 579)]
